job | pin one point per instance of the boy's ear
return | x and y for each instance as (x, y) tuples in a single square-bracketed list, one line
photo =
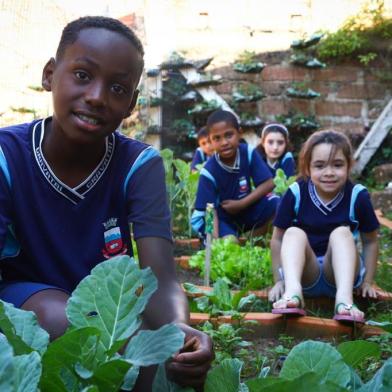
[(133, 103), (47, 74)]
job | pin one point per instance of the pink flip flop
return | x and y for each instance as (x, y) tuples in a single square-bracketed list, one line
[(347, 317), (297, 311)]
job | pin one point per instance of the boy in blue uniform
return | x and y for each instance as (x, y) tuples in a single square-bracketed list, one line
[(204, 151), (70, 185), (226, 178), (315, 230)]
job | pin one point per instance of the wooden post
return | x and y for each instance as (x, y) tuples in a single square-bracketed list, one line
[(209, 231)]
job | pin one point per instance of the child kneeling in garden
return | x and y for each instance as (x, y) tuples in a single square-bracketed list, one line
[(71, 185), (225, 181), (318, 221)]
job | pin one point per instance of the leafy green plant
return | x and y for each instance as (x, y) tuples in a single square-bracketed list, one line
[(300, 90), (247, 63), (104, 313), (247, 93), (282, 182), (245, 266), (183, 128), (298, 121), (204, 107), (221, 300)]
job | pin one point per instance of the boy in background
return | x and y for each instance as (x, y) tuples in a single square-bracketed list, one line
[(204, 151), (226, 180)]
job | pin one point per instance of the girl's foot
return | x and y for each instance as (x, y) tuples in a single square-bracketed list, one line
[(348, 312), (289, 305)]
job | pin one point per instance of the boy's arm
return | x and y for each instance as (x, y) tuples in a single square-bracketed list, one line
[(276, 244), (169, 304), (370, 255)]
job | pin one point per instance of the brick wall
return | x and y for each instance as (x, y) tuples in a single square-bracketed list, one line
[(352, 96)]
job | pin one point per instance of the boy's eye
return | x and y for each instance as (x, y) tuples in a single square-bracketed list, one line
[(81, 75), (118, 89)]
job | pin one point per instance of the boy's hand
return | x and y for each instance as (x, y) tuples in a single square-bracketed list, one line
[(190, 366), (232, 207), (276, 293), (368, 290)]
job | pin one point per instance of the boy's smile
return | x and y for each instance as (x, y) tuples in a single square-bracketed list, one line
[(224, 140), (93, 85)]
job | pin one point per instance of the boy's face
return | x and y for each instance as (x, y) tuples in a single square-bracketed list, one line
[(224, 141), (205, 145), (93, 85)]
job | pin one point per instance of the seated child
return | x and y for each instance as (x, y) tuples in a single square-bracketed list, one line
[(226, 178), (317, 224), (68, 181), (273, 149), (204, 151)]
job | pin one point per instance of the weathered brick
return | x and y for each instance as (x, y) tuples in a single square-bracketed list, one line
[(337, 74), (375, 109), (272, 106), (329, 108), (299, 105), (280, 72), (383, 173), (324, 88), (274, 88), (361, 91)]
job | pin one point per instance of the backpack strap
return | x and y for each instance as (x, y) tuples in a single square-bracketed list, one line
[(354, 194), (250, 152), (294, 187)]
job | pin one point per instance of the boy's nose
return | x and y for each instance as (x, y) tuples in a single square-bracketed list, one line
[(96, 95)]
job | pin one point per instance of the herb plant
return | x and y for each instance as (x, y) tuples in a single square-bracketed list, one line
[(246, 266), (104, 313), (282, 182)]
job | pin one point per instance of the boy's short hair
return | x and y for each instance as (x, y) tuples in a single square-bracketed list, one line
[(220, 116), (71, 32), (202, 133)]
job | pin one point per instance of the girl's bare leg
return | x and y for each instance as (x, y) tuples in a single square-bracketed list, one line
[(299, 264), (341, 266)]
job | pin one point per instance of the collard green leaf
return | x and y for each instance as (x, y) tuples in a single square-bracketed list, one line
[(382, 380), (22, 330), (130, 378), (153, 347), (109, 376), (356, 351), (320, 358), (225, 377), (111, 299), (27, 372), (7, 366), (67, 354), (162, 384)]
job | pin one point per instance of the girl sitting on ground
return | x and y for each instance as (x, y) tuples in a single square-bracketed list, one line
[(273, 148), (318, 221)]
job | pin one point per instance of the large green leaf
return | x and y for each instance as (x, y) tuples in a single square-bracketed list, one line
[(382, 380), (7, 366), (66, 356), (111, 299), (307, 382), (109, 376), (354, 352), (153, 347), (22, 329), (27, 372), (386, 325), (320, 358), (162, 384), (225, 377)]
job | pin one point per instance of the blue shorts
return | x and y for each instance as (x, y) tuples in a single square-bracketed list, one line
[(321, 287), (17, 293), (253, 217)]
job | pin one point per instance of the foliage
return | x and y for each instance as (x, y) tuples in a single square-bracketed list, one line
[(299, 90), (183, 128), (104, 312), (222, 301), (298, 121), (307, 42), (310, 366), (358, 34), (204, 107), (247, 93), (247, 63), (245, 266), (282, 182)]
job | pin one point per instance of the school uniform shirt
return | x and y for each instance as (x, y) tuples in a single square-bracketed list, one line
[(286, 163), (55, 234), (318, 219), (199, 157), (220, 182)]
